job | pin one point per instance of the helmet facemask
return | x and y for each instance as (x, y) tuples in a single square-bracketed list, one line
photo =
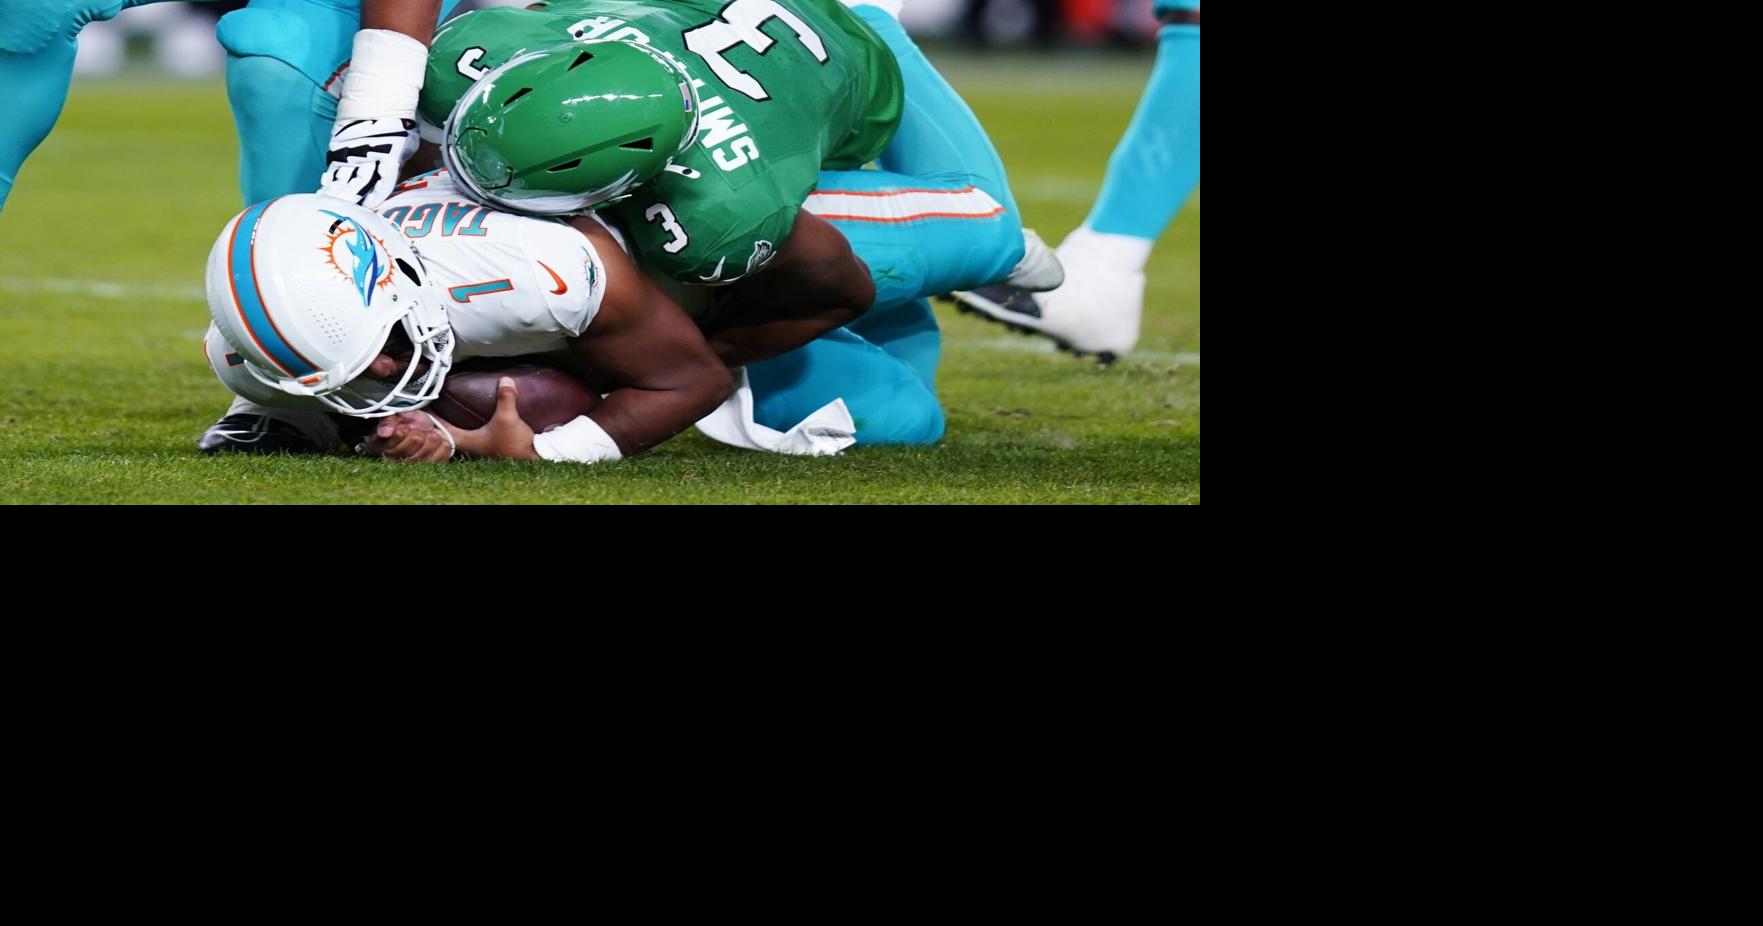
[(364, 396)]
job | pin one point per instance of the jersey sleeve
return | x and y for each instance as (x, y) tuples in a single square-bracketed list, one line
[(704, 253), (566, 271)]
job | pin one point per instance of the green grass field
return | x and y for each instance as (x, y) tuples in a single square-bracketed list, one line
[(103, 389)]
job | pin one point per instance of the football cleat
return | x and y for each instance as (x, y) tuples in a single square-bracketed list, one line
[(1096, 310), (254, 434)]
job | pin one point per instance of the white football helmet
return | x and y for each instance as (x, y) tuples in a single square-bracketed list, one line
[(307, 289)]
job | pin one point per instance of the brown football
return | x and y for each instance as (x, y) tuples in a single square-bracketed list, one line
[(548, 397)]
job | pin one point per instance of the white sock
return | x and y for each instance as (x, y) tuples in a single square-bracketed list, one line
[(1121, 252)]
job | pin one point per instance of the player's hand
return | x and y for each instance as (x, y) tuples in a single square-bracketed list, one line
[(504, 436), (412, 436), (365, 158)]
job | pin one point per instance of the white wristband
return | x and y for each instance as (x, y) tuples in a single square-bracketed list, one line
[(580, 441), (452, 445), (385, 76)]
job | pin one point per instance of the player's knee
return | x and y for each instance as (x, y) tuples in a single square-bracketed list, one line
[(264, 80), (278, 48), (1007, 238), (265, 89), (28, 26), (914, 426), (282, 126), (999, 247), (256, 32), (909, 417), (79, 14)]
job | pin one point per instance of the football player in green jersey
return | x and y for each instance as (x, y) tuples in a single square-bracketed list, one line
[(703, 127)]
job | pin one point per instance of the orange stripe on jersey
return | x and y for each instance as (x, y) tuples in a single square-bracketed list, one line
[(901, 192), (914, 217)]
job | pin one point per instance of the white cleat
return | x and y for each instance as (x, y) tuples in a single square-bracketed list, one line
[(1097, 310)]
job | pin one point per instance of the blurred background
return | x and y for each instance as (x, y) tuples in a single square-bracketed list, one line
[(178, 38)]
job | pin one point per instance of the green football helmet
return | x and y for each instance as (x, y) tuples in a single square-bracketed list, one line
[(571, 128), (468, 47)]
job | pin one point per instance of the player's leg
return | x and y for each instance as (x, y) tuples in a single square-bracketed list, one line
[(944, 164), (1157, 163), (920, 236), (1153, 170), (284, 73), (887, 399), (37, 42), (908, 333), (277, 81), (917, 239), (884, 365), (39, 78)]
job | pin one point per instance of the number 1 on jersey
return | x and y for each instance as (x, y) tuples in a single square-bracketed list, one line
[(464, 292)]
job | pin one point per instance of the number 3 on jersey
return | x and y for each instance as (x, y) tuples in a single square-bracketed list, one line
[(739, 25), (677, 238)]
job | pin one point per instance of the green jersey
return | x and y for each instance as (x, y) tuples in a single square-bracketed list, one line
[(786, 88)]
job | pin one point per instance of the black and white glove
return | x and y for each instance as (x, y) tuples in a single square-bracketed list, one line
[(365, 158), (375, 132)]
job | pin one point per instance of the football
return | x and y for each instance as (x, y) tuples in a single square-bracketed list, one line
[(548, 397)]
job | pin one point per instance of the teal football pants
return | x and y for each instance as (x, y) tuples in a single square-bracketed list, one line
[(36, 65), (1157, 163), (937, 217)]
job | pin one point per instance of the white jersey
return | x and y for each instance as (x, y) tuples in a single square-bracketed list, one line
[(513, 284)]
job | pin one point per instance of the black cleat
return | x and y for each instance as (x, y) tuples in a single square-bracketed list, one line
[(254, 434)]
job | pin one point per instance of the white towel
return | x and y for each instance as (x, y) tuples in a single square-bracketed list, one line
[(824, 433)]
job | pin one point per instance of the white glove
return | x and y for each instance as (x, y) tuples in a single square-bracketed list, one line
[(365, 158)]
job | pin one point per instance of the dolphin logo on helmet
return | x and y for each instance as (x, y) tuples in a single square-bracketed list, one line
[(366, 263)]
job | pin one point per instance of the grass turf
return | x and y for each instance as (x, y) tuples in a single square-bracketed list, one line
[(103, 390)]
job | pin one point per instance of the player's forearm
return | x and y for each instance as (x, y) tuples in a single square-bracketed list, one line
[(637, 419), (415, 18), (816, 284), (750, 343), (375, 131)]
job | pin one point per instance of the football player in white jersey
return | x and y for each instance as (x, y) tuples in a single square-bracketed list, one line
[(320, 305)]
